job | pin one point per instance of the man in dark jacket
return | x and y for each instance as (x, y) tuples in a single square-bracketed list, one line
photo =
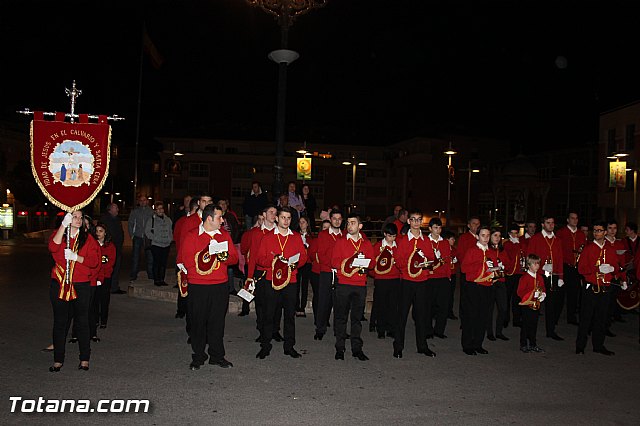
[(114, 227), (253, 205)]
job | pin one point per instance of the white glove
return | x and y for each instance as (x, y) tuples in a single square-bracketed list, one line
[(70, 255), (548, 267), (606, 268), (542, 297), (455, 260), (67, 220), (624, 285), (98, 283), (182, 268), (489, 263), (560, 282), (251, 284), (500, 264), (536, 294)]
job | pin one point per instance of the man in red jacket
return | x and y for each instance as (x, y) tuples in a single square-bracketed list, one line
[(438, 279), (348, 257), (206, 267), (548, 247), (466, 241), (279, 254), (326, 242), (573, 241)]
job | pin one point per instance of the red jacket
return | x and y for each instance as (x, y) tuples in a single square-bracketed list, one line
[(572, 244), (187, 224), (527, 285), (588, 264), (404, 251), (108, 261), (312, 253), (617, 246), (497, 256), (475, 267), (548, 249), (393, 273), (515, 252), (444, 270), (632, 247), (273, 244), (192, 244), (257, 234), (326, 243), (466, 241), (80, 272), (346, 248)]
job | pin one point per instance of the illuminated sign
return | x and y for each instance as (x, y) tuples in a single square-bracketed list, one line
[(6, 217), (304, 168), (617, 174)]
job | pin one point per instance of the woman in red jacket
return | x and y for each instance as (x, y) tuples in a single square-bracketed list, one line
[(304, 271), (71, 297), (501, 259), (102, 297)]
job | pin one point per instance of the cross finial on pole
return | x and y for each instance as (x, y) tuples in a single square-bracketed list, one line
[(73, 94)]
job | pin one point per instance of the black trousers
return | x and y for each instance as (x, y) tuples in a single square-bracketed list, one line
[(285, 298), (475, 304), (572, 287), (258, 300), (510, 285), (498, 298), (385, 310), (302, 289), (439, 306), (593, 314), (245, 305), (208, 306), (63, 312), (325, 301), (315, 283), (553, 303), (101, 301), (349, 298), (160, 255), (115, 275), (414, 296), (453, 280), (463, 288), (513, 282), (529, 327)]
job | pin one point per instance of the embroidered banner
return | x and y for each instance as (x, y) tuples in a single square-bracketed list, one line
[(70, 161)]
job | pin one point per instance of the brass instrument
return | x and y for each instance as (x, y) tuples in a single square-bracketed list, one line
[(523, 262), (578, 252), (104, 259), (535, 302), (417, 262)]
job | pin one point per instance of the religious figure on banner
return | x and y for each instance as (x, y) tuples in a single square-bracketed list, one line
[(71, 163)]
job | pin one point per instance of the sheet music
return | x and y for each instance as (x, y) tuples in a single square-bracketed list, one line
[(216, 247), (294, 259), (361, 263)]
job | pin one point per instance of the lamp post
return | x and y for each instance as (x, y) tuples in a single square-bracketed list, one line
[(450, 175), (353, 163), (469, 171), (285, 12)]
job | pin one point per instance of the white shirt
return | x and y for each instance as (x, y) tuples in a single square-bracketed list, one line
[(547, 234), (532, 274), (276, 231), (263, 227), (351, 237), (599, 244), (201, 230), (482, 246), (386, 244), (410, 235), (514, 240), (434, 240), (338, 232), (572, 229)]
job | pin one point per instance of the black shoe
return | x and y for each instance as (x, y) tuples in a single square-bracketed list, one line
[(347, 336), (452, 317), (372, 328), (397, 353), (179, 315), (95, 339), (55, 369), (292, 353), (502, 337), (339, 355), (46, 350), (440, 336), (188, 340), (517, 324), (491, 337), (604, 351), (525, 349), (119, 292), (364, 319), (277, 337), (103, 325), (318, 336), (482, 351), (537, 349), (430, 336), (73, 340), (194, 366), (243, 314), (157, 284), (428, 352), (264, 352), (258, 339), (469, 352), (361, 356), (381, 335), (609, 333), (505, 324), (554, 336), (579, 351), (572, 322), (223, 363), (83, 367), (390, 334)]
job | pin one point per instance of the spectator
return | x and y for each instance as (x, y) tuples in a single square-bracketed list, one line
[(310, 206), (114, 228), (231, 225), (159, 231), (253, 205), (137, 223), (183, 209)]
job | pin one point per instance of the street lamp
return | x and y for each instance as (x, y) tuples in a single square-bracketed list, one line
[(285, 12), (353, 165), (450, 175), (469, 171), (617, 158)]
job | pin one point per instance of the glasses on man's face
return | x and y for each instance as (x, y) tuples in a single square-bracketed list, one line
[(598, 230), (415, 219)]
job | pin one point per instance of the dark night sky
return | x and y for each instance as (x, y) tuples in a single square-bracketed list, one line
[(370, 72)]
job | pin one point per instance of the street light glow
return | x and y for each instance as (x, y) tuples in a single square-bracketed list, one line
[(346, 163), (450, 152), (362, 164), (621, 154)]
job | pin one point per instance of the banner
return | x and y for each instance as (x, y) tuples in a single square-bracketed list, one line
[(618, 174), (70, 161), (304, 168)]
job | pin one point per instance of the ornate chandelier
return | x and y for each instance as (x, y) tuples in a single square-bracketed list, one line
[(286, 11)]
